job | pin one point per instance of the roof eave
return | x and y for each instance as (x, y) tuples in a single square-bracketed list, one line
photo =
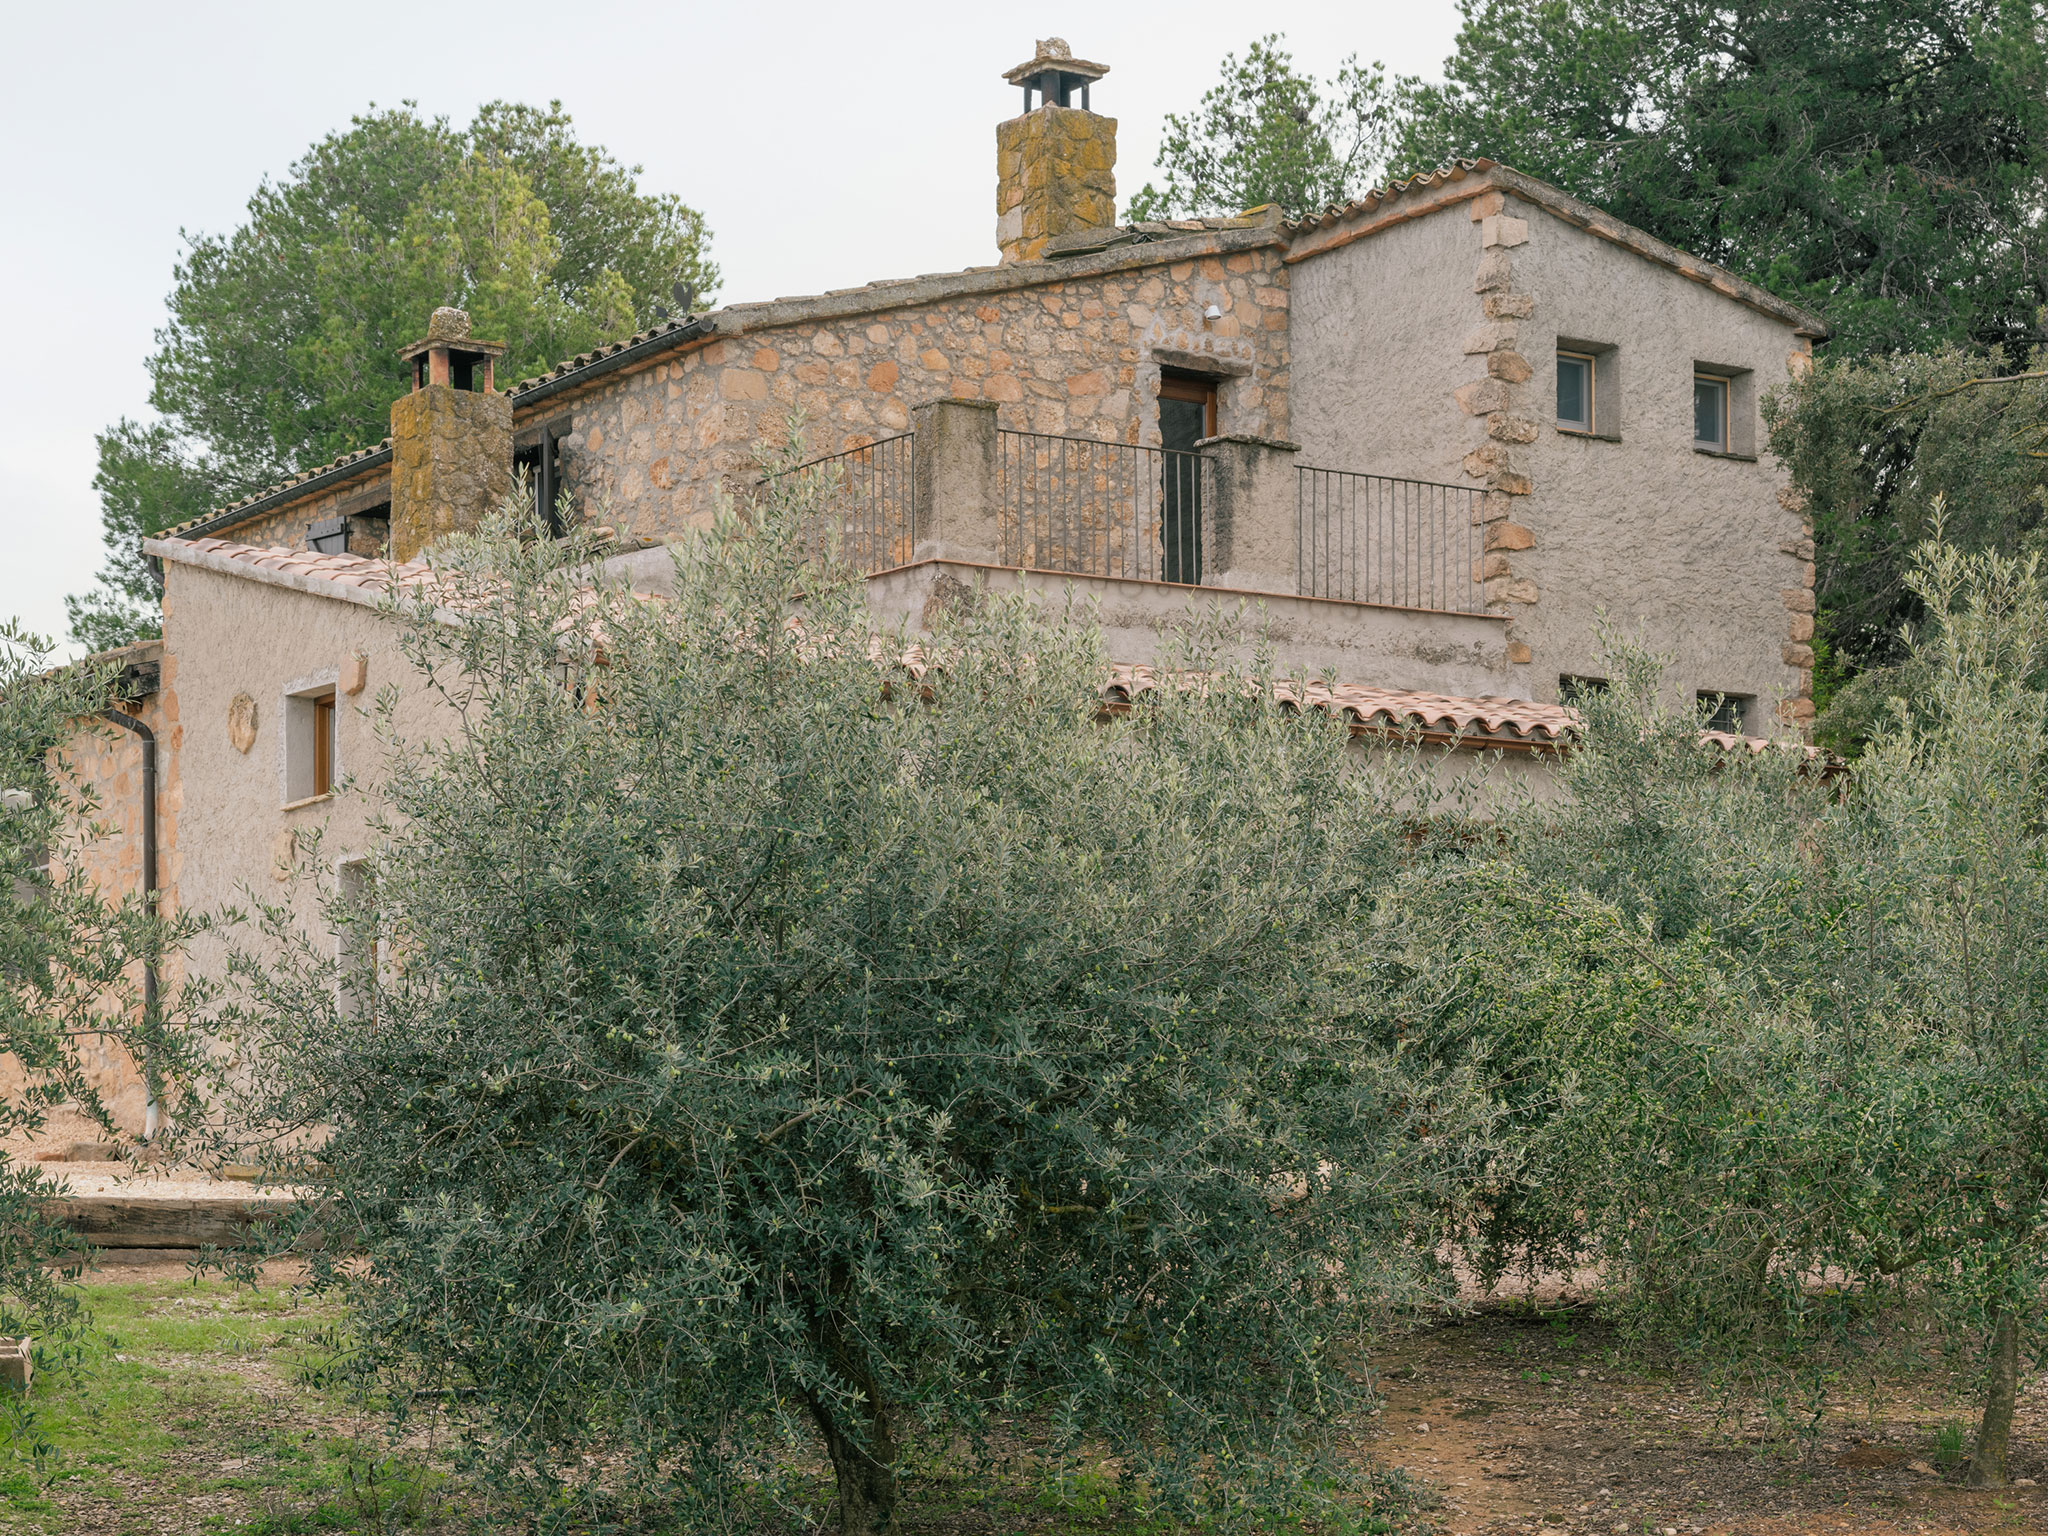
[(1464, 180)]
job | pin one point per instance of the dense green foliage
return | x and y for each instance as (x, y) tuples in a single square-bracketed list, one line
[(1266, 134), (281, 348), (1772, 1042), (768, 1058), (1880, 161), (70, 985), (1879, 449)]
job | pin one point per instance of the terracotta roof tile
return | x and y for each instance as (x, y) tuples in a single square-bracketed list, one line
[(1484, 718), (1366, 202)]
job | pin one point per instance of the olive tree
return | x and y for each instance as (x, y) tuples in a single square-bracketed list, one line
[(785, 1038), (1771, 1036), (72, 963)]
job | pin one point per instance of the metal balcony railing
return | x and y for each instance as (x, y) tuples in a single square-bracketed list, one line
[(1101, 509), (1375, 539), (865, 497)]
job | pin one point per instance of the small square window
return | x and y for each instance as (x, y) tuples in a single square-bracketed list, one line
[(1575, 391), (1709, 412), (1725, 711), (1572, 688)]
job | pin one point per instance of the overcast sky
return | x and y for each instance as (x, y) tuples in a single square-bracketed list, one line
[(828, 145)]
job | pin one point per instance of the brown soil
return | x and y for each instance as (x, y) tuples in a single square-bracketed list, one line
[(1523, 1431)]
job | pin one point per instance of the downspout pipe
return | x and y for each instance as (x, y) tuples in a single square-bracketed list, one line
[(128, 722)]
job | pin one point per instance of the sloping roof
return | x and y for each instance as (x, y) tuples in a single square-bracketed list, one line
[(354, 462), (1482, 721), (352, 578), (1487, 720), (1459, 180)]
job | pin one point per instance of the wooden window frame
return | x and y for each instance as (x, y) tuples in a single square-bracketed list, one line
[(1196, 390), (324, 718)]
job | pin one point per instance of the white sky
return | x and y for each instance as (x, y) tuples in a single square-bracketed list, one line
[(827, 144)]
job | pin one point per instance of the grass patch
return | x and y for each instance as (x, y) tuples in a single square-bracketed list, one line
[(188, 1400), (189, 1413)]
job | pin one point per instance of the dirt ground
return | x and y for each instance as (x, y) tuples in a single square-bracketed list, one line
[(1525, 1425), (1522, 1422)]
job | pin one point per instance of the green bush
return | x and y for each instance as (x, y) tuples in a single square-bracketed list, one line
[(779, 1048)]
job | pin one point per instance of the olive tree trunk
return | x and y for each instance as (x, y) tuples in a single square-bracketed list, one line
[(866, 1473), (1994, 1433)]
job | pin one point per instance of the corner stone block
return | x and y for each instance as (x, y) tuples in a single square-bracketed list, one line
[(1509, 306), (1490, 337), (1486, 205), (1482, 397), (955, 512), (1508, 367), (1495, 271), (1500, 230), (1248, 534), (1510, 429), (1800, 656), (1509, 536)]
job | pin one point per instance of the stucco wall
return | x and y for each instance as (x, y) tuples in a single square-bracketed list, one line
[(1378, 350), (1428, 349), (1683, 549), (234, 635), (1453, 653)]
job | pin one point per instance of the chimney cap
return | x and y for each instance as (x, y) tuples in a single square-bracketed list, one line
[(1054, 55), (449, 327)]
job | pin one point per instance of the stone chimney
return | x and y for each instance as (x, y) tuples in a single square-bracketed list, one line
[(451, 438), (1055, 165)]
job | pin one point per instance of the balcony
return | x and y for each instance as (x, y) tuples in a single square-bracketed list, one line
[(1352, 570), (1128, 512)]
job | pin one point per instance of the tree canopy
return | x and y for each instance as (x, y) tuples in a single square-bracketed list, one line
[(280, 352), (1268, 134), (1771, 1041), (1879, 161), (810, 1052)]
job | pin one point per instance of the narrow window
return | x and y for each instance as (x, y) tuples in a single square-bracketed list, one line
[(312, 762), (1709, 413), (1725, 711), (1575, 391), (1187, 414), (323, 744), (1572, 689)]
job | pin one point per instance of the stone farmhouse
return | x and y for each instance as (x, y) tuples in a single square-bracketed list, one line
[(1429, 438)]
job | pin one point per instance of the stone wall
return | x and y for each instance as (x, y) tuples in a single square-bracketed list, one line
[(286, 526), (451, 462), (651, 450), (1055, 173)]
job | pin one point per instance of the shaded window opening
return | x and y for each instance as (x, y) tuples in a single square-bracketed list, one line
[(1726, 711), (1187, 415)]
